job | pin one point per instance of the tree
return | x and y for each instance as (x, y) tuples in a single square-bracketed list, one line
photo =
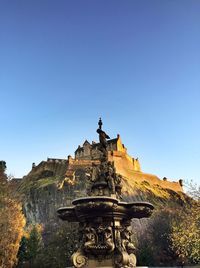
[(193, 190), (34, 243), (3, 177), (155, 241), (186, 235), (22, 253), (172, 235), (30, 245), (58, 249), (12, 222)]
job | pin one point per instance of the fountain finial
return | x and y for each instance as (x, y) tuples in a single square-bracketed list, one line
[(100, 123), (102, 140)]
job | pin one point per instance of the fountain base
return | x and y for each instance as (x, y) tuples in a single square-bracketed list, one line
[(105, 230)]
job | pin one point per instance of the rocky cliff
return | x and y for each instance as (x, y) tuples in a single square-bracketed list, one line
[(55, 183)]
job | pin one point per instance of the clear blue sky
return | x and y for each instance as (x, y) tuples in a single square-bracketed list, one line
[(135, 63)]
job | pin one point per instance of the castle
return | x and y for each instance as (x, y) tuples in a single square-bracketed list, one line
[(88, 154), (116, 150)]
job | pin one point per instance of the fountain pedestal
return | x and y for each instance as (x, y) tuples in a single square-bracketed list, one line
[(105, 231)]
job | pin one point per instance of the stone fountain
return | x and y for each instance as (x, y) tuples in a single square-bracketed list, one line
[(104, 219)]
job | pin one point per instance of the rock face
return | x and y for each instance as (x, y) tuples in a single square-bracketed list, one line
[(55, 183), (46, 188)]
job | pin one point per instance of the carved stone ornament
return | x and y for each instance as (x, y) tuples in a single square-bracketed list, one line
[(125, 260), (97, 239), (104, 181), (79, 259)]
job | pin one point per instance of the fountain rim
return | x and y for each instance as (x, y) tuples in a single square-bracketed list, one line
[(94, 198), (111, 199)]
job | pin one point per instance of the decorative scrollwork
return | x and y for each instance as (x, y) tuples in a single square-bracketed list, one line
[(125, 260), (132, 260), (79, 260)]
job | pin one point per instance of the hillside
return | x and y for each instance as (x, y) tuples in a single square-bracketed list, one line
[(56, 182)]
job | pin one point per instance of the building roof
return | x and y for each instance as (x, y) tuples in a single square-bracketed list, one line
[(86, 142), (94, 145)]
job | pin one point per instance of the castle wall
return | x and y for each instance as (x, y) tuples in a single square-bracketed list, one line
[(125, 165), (90, 151), (136, 164), (123, 161), (120, 146), (130, 168), (82, 162)]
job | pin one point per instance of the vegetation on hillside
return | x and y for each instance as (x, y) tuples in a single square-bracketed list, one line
[(185, 234), (30, 246), (56, 252), (12, 222), (172, 235), (169, 237)]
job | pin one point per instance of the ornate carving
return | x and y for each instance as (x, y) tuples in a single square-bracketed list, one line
[(90, 237), (92, 173), (127, 244), (125, 258), (104, 180), (98, 239), (108, 239), (110, 175), (79, 259)]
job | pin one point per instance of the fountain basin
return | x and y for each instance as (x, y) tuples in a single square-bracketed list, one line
[(102, 206)]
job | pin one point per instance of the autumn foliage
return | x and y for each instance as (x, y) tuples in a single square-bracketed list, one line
[(171, 237), (185, 235), (12, 222)]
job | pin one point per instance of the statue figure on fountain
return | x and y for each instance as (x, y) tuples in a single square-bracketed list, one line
[(110, 177), (90, 238), (98, 239), (103, 178), (102, 141), (127, 244)]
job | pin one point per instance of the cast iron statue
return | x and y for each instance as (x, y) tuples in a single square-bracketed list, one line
[(104, 180), (102, 140)]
